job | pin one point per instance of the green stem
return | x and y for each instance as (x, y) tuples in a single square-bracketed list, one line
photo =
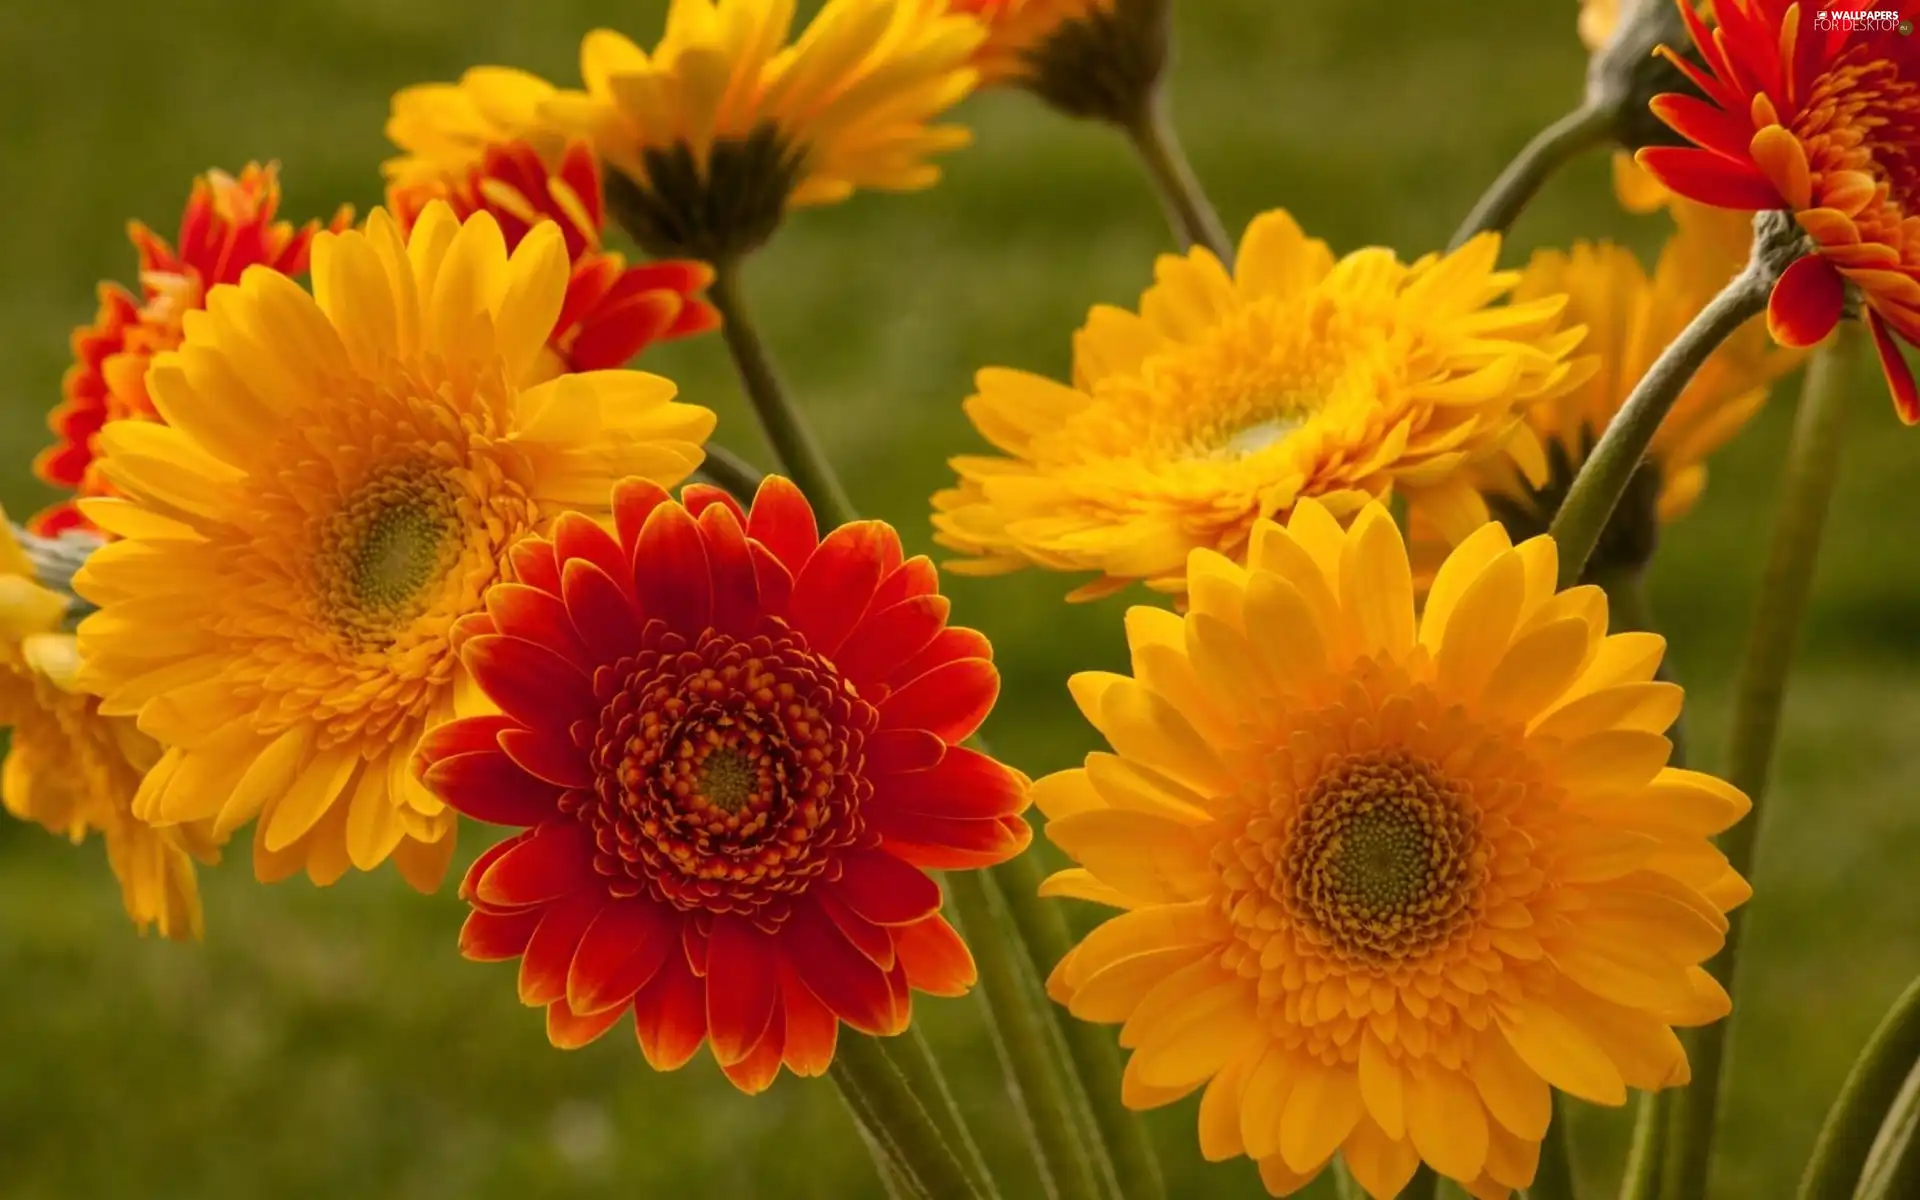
[(1192, 215), (913, 1058), (1805, 488), (1551, 148), (1865, 1098), (793, 443), (899, 1184), (1641, 1179), (1095, 1056), (1345, 1187), (1892, 1171), (1553, 1180), (1039, 1087), (1603, 478), (731, 473), (877, 1092)]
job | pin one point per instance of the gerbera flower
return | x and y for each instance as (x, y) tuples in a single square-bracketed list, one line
[(1631, 318), (1388, 881), (75, 771), (1817, 114), (725, 125), (477, 145), (1229, 398), (1087, 58), (341, 477), (735, 747), (228, 226)]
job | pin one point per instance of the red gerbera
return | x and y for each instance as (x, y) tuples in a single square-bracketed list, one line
[(612, 311), (735, 747), (1818, 112), (228, 226)]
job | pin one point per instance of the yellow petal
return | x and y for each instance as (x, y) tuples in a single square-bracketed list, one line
[(1513, 1092), (1563, 1054), (314, 791), (1376, 586), (1322, 1110), (1446, 1122)]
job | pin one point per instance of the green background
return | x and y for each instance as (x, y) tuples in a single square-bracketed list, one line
[(334, 1044)]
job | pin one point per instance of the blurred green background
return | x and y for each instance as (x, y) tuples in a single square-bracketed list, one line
[(333, 1043)]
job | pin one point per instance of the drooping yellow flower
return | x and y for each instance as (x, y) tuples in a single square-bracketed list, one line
[(1229, 398), (341, 476), (75, 771), (1087, 58), (1019, 30), (1389, 879), (1631, 317), (726, 124)]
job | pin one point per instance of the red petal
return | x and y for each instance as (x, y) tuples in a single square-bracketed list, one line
[(812, 1029), (670, 571), (634, 500), (693, 941), (470, 883), (535, 564), (530, 682), (937, 961), (549, 756), (782, 521), (742, 986), (902, 993), (576, 535), (580, 171), (894, 751), (535, 615), (954, 642), (603, 614), (568, 1031), (615, 330), (555, 859), (497, 937), (697, 498), (914, 577), (884, 890), (1706, 125), (549, 955), (1710, 178), (696, 316), (756, 1072), (844, 979), (871, 940), (683, 275), (771, 580), (670, 1015), (965, 784), (1906, 397), (620, 953), (488, 786), (833, 591), (889, 637), (943, 844), (468, 735), (1806, 302), (949, 701), (736, 594)]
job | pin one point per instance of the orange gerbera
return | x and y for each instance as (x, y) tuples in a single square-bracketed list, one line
[(473, 144), (1818, 113), (228, 226), (735, 747)]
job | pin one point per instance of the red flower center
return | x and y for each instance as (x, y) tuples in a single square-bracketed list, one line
[(1864, 115), (727, 771)]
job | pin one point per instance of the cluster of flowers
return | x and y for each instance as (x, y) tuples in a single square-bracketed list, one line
[(1389, 816)]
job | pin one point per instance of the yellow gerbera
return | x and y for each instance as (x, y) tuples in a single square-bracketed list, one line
[(1631, 318), (75, 771), (446, 129), (1018, 32), (1231, 397), (1087, 58), (340, 477), (726, 125), (1388, 880)]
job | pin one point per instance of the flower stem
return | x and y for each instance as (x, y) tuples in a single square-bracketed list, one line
[(913, 1058), (1040, 1089), (793, 442), (1602, 480), (1189, 211), (1095, 1057), (1865, 1098), (1806, 486), (1553, 1179), (1552, 148), (1641, 1179), (877, 1092), (730, 473), (1892, 1170)]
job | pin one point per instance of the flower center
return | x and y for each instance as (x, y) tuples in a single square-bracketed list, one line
[(388, 544), (1864, 115), (727, 771), (1383, 860)]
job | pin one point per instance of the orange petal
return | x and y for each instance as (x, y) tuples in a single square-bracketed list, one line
[(1805, 305)]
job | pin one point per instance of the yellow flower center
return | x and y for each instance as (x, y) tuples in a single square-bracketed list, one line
[(728, 779), (392, 539), (1381, 859)]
